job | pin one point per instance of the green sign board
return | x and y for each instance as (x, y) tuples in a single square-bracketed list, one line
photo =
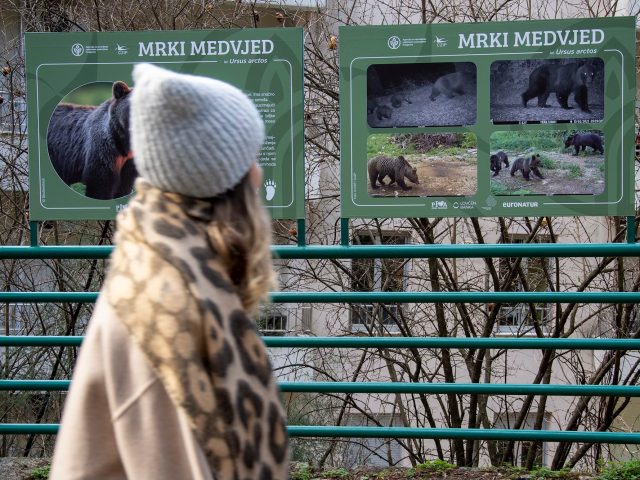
[(488, 119), (70, 75)]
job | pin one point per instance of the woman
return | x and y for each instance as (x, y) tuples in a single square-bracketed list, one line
[(173, 381)]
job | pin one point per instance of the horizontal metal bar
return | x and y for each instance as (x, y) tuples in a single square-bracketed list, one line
[(368, 251), (371, 297), (460, 251), (402, 432), (35, 385), (467, 433), (40, 341), (456, 297), (513, 343), (393, 387), (461, 388), (455, 342)]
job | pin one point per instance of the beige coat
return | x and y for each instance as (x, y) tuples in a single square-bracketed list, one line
[(118, 421)]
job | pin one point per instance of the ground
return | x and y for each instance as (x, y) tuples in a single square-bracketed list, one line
[(31, 469), (303, 472), (574, 175), (444, 175)]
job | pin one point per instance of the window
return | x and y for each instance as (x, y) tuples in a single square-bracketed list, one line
[(521, 449), (377, 275), (518, 318), (374, 452), (272, 321)]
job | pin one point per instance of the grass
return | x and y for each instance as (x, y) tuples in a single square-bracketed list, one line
[(574, 171), (382, 144), (548, 163), (629, 470), (499, 189), (40, 472), (433, 466), (523, 141), (302, 471)]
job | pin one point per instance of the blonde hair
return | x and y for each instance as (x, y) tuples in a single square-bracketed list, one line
[(240, 233)]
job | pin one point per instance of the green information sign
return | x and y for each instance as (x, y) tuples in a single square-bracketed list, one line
[(488, 119), (75, 81)]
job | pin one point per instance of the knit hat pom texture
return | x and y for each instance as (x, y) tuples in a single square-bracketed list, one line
[(192, 135)]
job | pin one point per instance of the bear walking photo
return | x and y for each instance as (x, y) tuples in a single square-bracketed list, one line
[(535, 91), (88, 141), (543, 162), (422, 164)]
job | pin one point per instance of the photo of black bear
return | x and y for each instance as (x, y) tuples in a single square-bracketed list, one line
[(521, 90), (526, 165), (421, 94), (496, 160), (584, 140), (91, 145)]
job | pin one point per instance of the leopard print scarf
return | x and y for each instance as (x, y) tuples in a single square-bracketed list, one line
[(174, 298)]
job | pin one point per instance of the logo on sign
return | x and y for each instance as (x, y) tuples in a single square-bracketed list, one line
[(439, 205), (440, 42), (394, 42), (122, 50), (77, 49)]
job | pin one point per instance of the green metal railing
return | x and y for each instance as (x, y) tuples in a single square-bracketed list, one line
[(344, 251)]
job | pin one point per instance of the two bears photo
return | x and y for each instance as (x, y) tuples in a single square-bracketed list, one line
[(88, 141)]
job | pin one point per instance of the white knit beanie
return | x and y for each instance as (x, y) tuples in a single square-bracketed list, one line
[(192, 135)]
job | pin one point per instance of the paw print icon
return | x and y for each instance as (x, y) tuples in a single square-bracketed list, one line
[(270, 189)]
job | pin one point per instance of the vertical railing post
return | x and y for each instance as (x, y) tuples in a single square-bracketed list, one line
[(344, 232), (631, 229), (33, 234)]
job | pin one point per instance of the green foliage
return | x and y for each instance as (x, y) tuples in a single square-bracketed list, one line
[(629, 470), (548, 163), (301, 471), (524, 141), (90, 94), (574, 171), (40, 473), (469, 140), (498, 189), (434, 466), (601, 167), (79, 188), (336, 473), (385, 144), (544, 473)]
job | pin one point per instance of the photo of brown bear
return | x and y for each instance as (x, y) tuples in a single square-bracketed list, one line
[(583, 140), (535, 91), (422, 164), (543, 166), (89, 145)]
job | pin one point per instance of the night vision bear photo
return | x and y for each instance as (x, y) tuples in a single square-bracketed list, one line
[(496, 162), (563, 80), (396, 168), (91, 145), (558, 90), (421, 94), (450, 85), (527, 165), (584, 140)]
